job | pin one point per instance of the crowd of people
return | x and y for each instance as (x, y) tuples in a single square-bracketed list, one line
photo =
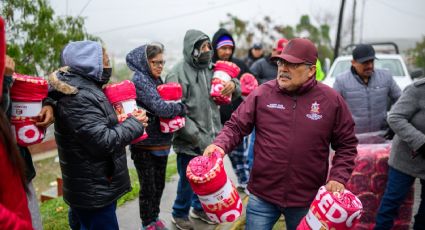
[(278, 138)]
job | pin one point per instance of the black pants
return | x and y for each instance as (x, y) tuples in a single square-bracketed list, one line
[(151, 171)]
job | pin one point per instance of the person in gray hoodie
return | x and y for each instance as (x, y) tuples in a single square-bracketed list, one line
[(91, 142), (407, 158), (202, 119)]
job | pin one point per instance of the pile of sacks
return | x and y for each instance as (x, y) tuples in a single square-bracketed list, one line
[(368, 182)]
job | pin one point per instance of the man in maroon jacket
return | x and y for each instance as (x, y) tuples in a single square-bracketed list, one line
[(296, 118)]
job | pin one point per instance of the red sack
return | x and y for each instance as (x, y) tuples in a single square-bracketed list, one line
[(405, 213), (367, 217), (358, 183), (27, 94), (332, 211), (122, 97), (365, 161), (171, 92), (223, 72), (248, 83), (370, 201), (378, 183), (401, 225), (217, 194), (382, 161)]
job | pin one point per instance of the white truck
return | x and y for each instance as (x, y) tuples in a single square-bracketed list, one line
[(392, 62)]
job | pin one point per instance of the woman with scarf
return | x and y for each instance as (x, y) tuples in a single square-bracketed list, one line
[(150, 155)]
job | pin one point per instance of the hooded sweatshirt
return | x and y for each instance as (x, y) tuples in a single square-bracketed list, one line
[(91, 142), (149, 99), (203, 117), (227, 110)]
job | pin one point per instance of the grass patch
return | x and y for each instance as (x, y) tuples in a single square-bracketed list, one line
[(171, 167), (47, 172), (54, 213)]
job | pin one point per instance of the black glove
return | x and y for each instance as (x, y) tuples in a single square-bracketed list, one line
[(420, 151), (389, 135)]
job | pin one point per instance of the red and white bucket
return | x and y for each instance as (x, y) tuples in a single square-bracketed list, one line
[(217, 194), (171, 93), (123, 96), (332, 211), (224, 71), (27, 94)]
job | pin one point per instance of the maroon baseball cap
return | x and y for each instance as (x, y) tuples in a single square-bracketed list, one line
[(299, 50)]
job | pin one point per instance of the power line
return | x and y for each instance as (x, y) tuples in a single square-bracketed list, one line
[(400, 10), (84, 7), (167, 18)]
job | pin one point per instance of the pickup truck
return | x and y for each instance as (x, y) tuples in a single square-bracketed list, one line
[(391, 62)]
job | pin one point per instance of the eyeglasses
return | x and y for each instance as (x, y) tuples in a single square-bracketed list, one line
[(283, 63), (157, 63)]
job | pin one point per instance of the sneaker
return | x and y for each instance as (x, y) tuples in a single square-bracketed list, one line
[(160, 225), (200, 214), (182, 223)]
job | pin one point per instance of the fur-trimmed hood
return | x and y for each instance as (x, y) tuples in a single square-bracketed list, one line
[(59, 85)]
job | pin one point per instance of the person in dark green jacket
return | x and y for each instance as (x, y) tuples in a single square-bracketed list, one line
[(194, 74)]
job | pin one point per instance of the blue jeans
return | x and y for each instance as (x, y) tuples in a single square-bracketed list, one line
[(398, 186), (250, 149), (93, 219), (262, 215), (185, 196)]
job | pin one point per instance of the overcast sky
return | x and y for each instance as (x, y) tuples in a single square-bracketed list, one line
[(126, 24)]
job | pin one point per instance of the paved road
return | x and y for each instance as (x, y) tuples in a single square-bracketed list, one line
[(128, 214)]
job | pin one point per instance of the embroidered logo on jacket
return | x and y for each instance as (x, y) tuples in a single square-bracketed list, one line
[(276, 106), (314, 112)]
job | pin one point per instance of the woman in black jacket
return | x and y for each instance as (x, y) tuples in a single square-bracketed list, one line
[(150, 155), (91, 142)]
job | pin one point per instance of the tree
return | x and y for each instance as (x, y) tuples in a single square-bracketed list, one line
[(418, 54), (35, 37), (268, 31)]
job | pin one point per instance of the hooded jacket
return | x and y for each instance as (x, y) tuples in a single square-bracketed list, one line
[(250, 59), (91, 142), (149, 99), (203, 117), (293, 135), (227, 110), (406, 118)]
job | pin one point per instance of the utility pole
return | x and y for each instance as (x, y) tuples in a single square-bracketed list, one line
[(362, 22), (353, 21), (338, 33)]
